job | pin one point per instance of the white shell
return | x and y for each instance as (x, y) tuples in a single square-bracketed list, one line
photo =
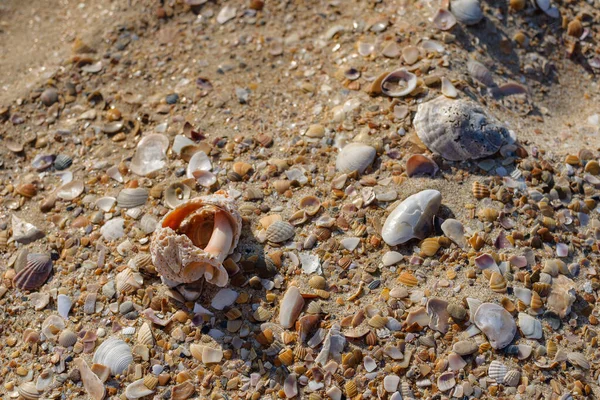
[(132, 197), (150, 155), (144, 335), (455, 231), (115, 354), (405, 81), (63, 305), (448, 88), (355, 157), (291, 307), (466, 11), (446, 381), (437, 311), (512, 378), (444, 20), (137, 390), (530, 326), (105, 203), (497, 371), (496, 323), (198, 162), (70, 191), (458, 129), (413, 218)]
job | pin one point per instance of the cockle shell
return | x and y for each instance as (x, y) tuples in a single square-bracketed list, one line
[(35, 273), (497, 371), (115, 354), (466, 11), (280, 231), (480, 72), (413, 218), (496, 323), (355, 157), (399, 83), (176, 245), (512, 378), (150, 154), (458, 129), (28, 391)]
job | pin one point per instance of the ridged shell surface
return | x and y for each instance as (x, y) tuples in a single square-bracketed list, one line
[(413, 218), (62, 161), (35, 273), (497, 371), (28, 391), (458, 129), (466, 11), (280, 231), (132, 197), (355, 157), (115, 354)]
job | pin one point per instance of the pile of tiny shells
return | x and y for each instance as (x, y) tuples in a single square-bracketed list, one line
[(368, 265)]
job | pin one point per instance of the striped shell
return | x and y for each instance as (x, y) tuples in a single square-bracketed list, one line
[(429, 247), (62, 161), (497, 371), (145, 336), (497, 282), (132, 197), (28, 391), (512, 378), (35, 272), (67, 338), (115, 354), (408, 279), (280, 231), (480, 190)]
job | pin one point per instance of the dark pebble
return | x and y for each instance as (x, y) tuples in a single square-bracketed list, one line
[(172, 98)]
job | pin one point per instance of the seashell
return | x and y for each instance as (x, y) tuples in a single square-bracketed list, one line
[(455, 231), (145, 336), (151, 382), (355, 157), (317, 282), (536, 301), (377, 321), (480, 72), (437, 309), (418, 164), (92, 383), (35, 272), (530, 327), (286, 357), (592, 167), (242, 168), (205, 178), (466, 11), (429, 247), (408, 279), (291, 307), (127, 281), (138, 389), (28, 391), (448, 88), (578, 360), (310, 204), (512, 378), (182, 391), (350, 389), (444, 20), (399, 83), (480, 190), (280, 231), (488, 214), (176, 194), (446, 381), (26, 190), (132, 197), (497, 283), (314, 307), (70, 191), (411, 54), (561, 297), (413, 218), (496, 323), (63, 305), (150, 155), (508, 305), (52, 326), (458, 129), (115, 354), (62, 162), (192, 240), (148, 223), (281, 186)]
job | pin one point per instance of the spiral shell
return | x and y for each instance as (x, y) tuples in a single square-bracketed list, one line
[(35, 272), (115, 354), (280, 231), (177, 246), (497, 371), (355, 157), (458, 129)]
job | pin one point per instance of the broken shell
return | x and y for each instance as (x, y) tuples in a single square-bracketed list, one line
[(310, 204), (488, 214), (26, 190), (176, 194), (444, 20), (280, 231), (127, 281), (150, 155), (458, 129), (115, 354), (93, 385), (70, 191), (132, 197), (497, 283), (420, 165), (578, 360), (198, 162), (437, 309), (52, 326), (480, 190), (35, 272), (399, 83), (145, 336), (448, 88), (413, 218), (497, 371), (496, 323), (466, 11), (530, 326), (455, 231), (193, 240), (291, 307), (137, 390), (355, 157)]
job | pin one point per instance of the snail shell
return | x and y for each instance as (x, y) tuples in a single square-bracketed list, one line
[(115, 354), (177, 246), (458, 129), (35, 273), (355, 157)]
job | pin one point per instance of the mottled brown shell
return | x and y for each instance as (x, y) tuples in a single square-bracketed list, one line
[(174, 254)]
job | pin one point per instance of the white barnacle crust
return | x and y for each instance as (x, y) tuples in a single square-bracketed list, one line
[(192, 240)]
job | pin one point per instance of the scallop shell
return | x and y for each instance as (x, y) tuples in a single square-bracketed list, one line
[(62, 161), (115, 354), (497, 371), (480, 72), (377, 321), (413, 218), (446, 381), (420, 165), (444, 20), (35, 273), (176, 194), (145, 336), (350, 388), (408, 279), (497, 282), (512, 378), (132, 197), (127, 281), (458, 129), (399, 83), (355, 157), (496, 323), (28, 391), (67, 338), (177, 246), (466, 11), (280, 231)]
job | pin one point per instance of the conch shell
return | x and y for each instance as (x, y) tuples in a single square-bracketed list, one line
[(192, 241)]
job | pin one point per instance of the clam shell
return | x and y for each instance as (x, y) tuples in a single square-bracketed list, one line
[(127, 281), (578, 360), (418, 164), (148, 223), (438, 314), (480, 190), (444, 20), (496, 323), (458, 129), (52, 326), (446, 381), (466, 11), (67, 338), (198, 162), (205, 178), (310, 204), (497, 371), (530, 326), (413, 218), (448, 88), (62, 161), (176, 194), (150, 155), (115, 354), (92, 383), (71, 190), (355, 157), (399, 83), (480, 72), (280, 231), (28, 391), (35, 273), (132, 197)]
